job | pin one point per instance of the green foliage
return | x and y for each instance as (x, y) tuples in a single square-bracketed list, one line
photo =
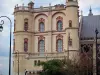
[(57, 67), (52, 67), (64, 67)]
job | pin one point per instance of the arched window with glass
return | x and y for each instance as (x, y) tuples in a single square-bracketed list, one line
[(59, 45), (41, 27), (59, 25), (41, 47)]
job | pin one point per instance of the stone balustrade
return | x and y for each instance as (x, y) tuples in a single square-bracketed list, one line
[(26, 8), (44, 55), (47, 55)]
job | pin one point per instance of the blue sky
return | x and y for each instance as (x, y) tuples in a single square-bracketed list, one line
[(6, 9)]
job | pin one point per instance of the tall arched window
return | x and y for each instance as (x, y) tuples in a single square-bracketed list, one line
[(59, 45), (59, 25), (41, 27), (25, 44), (41, 24), (26, 24), (41, 47)]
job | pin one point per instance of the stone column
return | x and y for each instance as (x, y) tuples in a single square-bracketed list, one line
[(33, 30), (49, 31)]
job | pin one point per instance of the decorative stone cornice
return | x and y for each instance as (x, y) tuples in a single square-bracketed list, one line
[(22, 32), (36, 53), (88, 38), (37, 32), (71, 28), (72, 6)]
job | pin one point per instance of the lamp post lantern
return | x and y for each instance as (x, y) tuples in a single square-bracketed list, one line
[(1, 29), (96, 32)]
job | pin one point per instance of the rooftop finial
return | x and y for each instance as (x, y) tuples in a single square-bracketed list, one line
[(31, 4), (90, 9), (49, 4), (81, 13), (23, 4), (90, 12)]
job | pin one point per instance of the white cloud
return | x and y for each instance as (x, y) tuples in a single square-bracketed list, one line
[(4, 65), (1, 66), (85, 5), (3, 58)]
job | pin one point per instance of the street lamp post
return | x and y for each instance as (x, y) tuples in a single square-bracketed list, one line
[(1, 29), (96, 32), (18, 60)]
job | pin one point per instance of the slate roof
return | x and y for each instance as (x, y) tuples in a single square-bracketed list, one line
[(89, 24)]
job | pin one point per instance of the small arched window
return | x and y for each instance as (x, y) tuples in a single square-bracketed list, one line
[(59, 25), (70, 23), (41, 47), (14, 44), (13, 63), (59, 45), (70, 42), (14, 25), (25, 44), (41, 27), (26, 24)]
